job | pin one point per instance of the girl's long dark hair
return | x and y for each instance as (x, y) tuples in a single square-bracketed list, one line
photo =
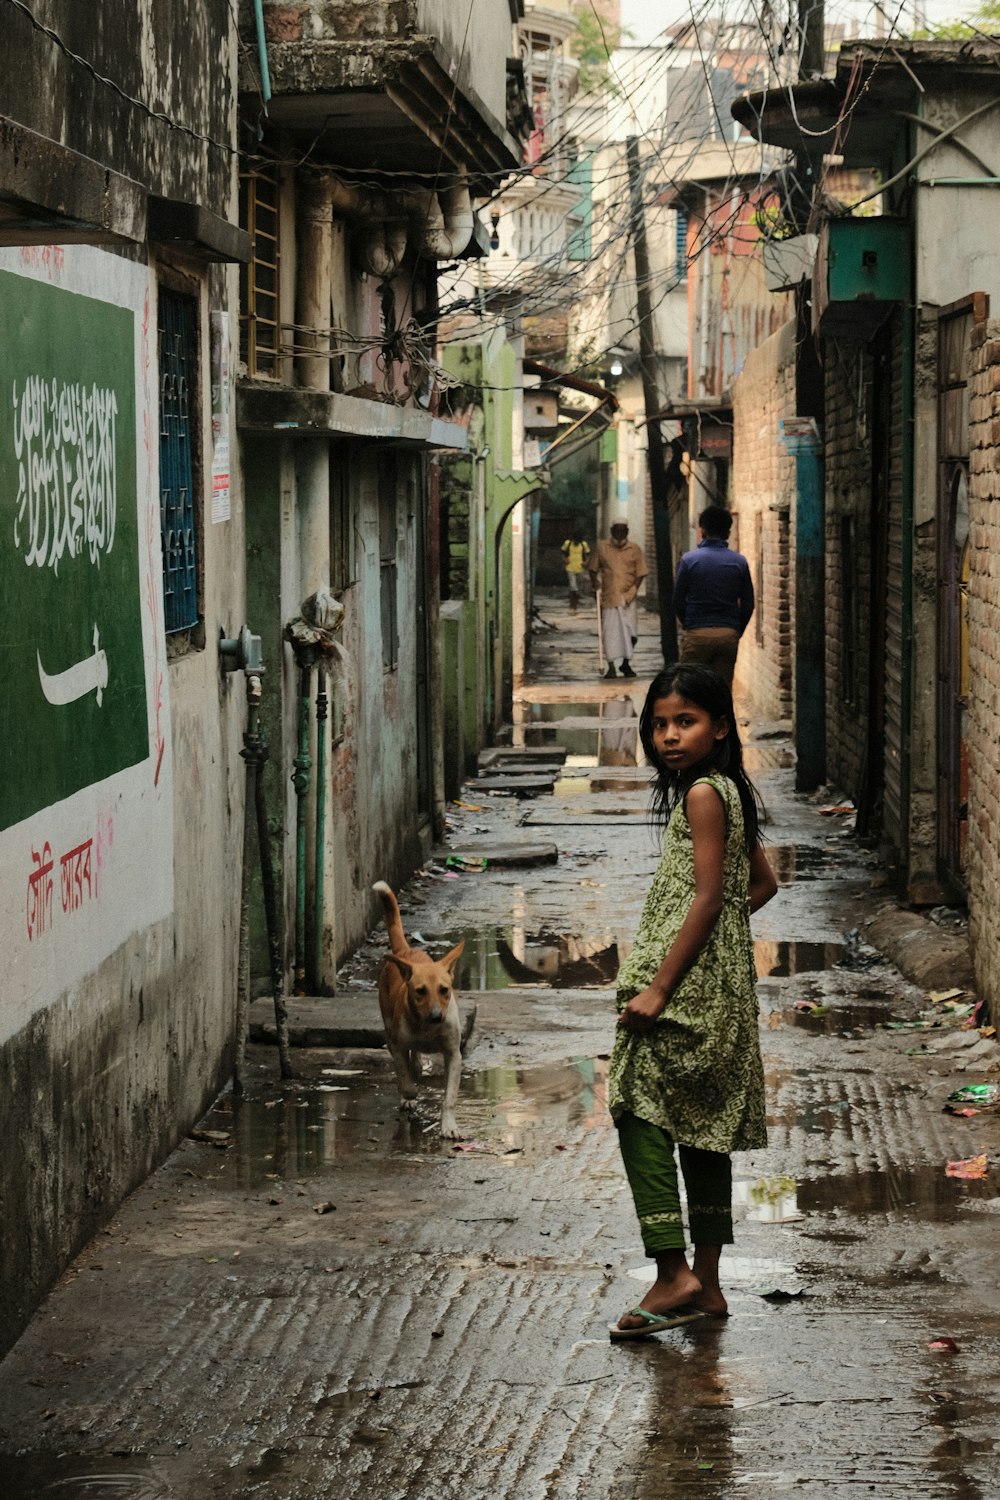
[(709, 691)]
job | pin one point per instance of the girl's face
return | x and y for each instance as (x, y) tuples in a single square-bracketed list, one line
[(683, 734)]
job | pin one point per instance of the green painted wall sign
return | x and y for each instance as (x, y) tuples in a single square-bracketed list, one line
[(72, 675)]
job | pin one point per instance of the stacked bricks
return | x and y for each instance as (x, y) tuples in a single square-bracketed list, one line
[(983, 865), (763, 502)]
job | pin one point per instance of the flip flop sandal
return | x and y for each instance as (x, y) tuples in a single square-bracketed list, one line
[(655, 1322)]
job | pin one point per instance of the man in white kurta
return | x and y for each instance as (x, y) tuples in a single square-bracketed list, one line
[(617, 567)]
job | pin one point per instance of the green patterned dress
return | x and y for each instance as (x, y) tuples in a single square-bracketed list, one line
[(698, 1073)]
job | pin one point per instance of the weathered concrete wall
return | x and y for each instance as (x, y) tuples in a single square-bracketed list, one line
[(949, 264), (983, 867), (120, 887), (175, 61), (478, 39), (763, 500), (730, 310), (472, 44)]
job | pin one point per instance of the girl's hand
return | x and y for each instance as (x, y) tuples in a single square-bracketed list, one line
[(642, 1010)]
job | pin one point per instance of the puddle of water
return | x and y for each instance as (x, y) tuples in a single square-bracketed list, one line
[(78, 1476), (791, 862), (561, 1095), (501, 958), (279, 1140), (840, 1020), (923, 1192), (782, 959), (768, 1200), (606, 731)]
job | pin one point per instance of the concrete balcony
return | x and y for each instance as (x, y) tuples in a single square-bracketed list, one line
[(389, 84)]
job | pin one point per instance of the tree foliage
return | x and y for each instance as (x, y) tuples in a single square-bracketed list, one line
[(591, 44), (985, 19)]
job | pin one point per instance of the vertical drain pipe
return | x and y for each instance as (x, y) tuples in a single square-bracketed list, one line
[(243, 952), (242, 653), (319, 877), (255, 746), (313, 293), (301, 780), (265, 71)]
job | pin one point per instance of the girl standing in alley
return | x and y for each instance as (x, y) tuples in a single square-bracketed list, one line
[(686, 1068)]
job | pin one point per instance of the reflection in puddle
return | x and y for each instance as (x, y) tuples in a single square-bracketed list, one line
[(304, 1130), (839, 1020), (924, 1191), (605, 731), (75, 1475), (561, 1094), (781, 959), (768, 1200), (500, 958), (791, 862)]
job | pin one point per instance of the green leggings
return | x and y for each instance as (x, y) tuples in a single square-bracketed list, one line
[(648, 1154)]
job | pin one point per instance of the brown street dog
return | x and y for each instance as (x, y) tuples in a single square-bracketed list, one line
[(419, 1012)]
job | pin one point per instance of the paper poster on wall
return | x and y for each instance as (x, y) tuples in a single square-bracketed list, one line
[(85, 799), (221, 495)]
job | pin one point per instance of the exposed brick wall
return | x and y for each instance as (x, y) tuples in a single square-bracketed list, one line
[(983, 864), (848, 486), (762, 501), (896, 791)]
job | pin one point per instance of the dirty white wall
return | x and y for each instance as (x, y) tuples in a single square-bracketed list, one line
[(115, 1012), (478, 32)]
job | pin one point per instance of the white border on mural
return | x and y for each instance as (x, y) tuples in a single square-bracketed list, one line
[(120, 830)]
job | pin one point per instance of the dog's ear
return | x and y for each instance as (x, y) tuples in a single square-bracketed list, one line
[(451, 959), (406, 969)]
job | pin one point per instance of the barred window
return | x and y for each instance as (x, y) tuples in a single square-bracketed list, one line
[(177, 324), (260, 303), (388, 537), (851, 608), (343, 520), (680, 242)]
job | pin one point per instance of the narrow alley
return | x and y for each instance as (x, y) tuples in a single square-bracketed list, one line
[(316, 1296)]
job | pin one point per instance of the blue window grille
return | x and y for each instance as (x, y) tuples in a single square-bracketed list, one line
[(681, 242), (177, 513)]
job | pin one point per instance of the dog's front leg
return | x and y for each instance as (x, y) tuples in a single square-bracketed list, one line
[(452, 1078), (404, 1075)]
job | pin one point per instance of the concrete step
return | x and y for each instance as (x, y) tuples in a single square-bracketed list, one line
[(517, 784), (497, 856), (348, 1020), (516, 757)]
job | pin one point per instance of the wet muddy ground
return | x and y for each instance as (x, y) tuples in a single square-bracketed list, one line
[(317, 1296)]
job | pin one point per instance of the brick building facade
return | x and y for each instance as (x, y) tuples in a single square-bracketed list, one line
[(982, 673), (763, 494)]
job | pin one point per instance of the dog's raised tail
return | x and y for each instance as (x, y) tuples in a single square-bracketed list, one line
[(393, 921)]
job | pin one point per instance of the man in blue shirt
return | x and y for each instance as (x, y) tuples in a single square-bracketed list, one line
[(713, 596)]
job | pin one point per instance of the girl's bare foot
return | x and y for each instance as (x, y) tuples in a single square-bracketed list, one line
[(712, 1304), (675, 1286), (710, 1299)]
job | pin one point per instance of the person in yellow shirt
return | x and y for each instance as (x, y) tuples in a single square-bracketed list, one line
[(575, 551)]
